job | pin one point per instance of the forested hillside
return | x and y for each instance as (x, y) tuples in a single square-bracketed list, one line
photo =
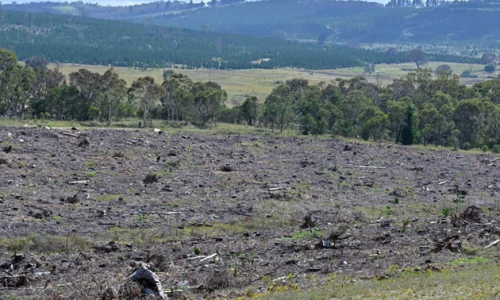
[(80, 8), (92, 41), (464, 23), (348, 21)]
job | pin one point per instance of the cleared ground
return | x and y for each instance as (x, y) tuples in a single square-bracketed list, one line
[(387, 221), (256, 82)]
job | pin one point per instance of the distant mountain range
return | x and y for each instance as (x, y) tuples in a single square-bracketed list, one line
[(475, 23)]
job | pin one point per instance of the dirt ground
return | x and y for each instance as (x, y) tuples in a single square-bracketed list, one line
[(230, 215)]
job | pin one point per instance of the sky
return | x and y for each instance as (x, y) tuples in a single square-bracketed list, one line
[(116, 2), (101, 2)]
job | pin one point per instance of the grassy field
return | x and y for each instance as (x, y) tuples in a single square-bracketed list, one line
[(473, 281), (257, 82)]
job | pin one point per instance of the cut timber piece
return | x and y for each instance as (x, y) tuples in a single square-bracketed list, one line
[(371, 167), (149, 281), (209, 257), (69, 134), (79, 182), (492, 244)]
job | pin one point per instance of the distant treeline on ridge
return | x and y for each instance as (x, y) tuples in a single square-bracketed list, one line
[(71, 39)]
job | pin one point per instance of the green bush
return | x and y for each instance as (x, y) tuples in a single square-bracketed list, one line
[(468, 74), (496, 149), (446, 212), (490, 68), (485, 148), (466, 146)]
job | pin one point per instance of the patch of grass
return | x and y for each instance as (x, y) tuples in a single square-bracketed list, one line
[(46, 243), (303, 186), (108, 197), (91, 164), (470, 260), (144, 218), (57, 218), (475, 282), (308, 234), (172, 165), (446, 212)]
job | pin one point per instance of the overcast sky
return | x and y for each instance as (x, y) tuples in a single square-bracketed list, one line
[(117, 2), (102, 2)]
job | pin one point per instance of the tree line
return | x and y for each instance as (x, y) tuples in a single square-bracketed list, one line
[(32, 90), (424, 106)]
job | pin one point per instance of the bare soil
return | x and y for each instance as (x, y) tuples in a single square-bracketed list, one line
[(222, 215)]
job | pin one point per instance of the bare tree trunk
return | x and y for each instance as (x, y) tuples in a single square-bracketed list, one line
[(109, 116), (144, 118)]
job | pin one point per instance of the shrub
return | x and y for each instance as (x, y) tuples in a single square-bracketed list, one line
[(466, 146), (443, 68), (468, 74), (490, 68), (406, 222), (229, 115), (485, 148), (496, 149), (446, 212)]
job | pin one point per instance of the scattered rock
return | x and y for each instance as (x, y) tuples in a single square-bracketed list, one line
[(85, 142), (167, 188), (7, 149), (72, 200), (226, 168), (171, 153), (4, 161), (398, 193), (150, 179), (118, 154)]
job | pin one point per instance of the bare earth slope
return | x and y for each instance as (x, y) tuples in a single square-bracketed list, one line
[(242, 198)]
